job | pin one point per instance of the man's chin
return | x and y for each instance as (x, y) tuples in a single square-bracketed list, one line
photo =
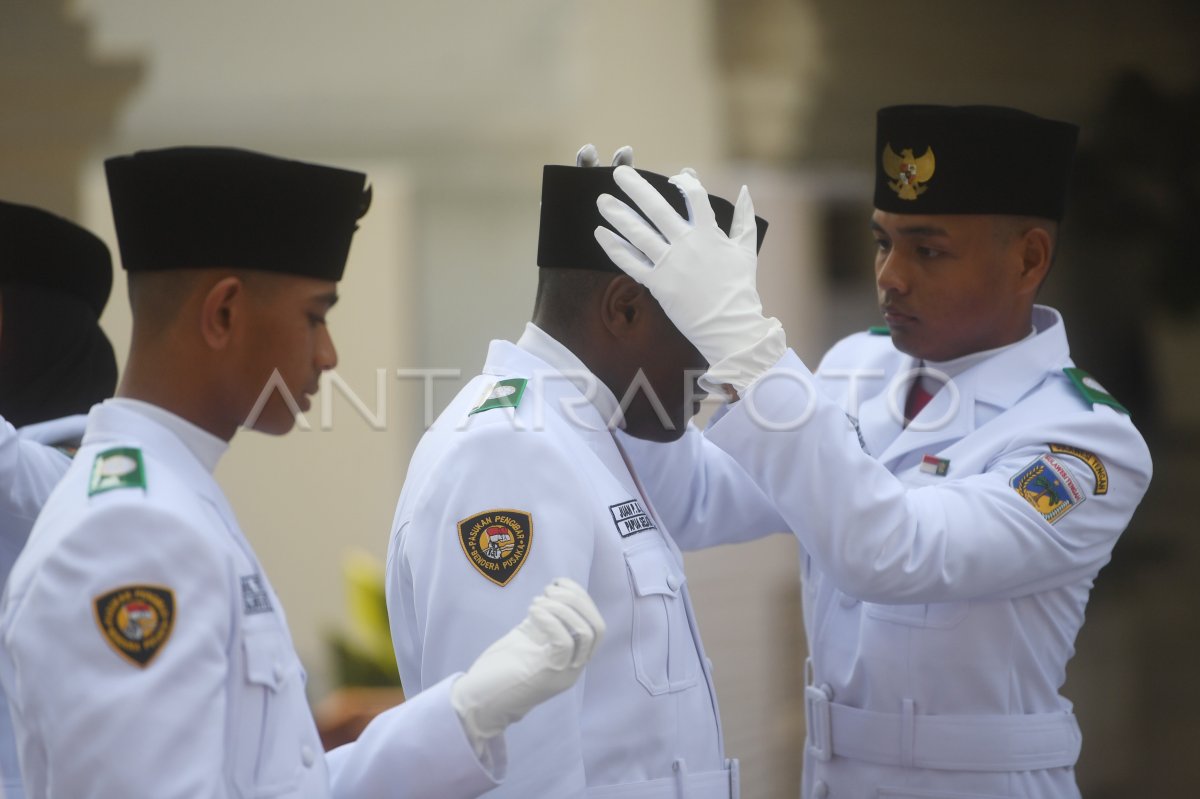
[(272, 425), (657, 433)]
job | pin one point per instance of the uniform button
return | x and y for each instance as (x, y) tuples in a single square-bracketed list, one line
[(825, 689), (847, 601), (307, 756), (278, 672), (672, 582), (820, 790)]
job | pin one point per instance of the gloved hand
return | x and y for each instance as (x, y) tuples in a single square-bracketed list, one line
[(703, 279), (540, 657), (587, 156)]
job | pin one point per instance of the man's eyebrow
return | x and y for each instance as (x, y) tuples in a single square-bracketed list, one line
[(912, 230), (328, 300)]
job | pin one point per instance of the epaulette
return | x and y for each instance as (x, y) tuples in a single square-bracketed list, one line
[(502, 394), (120, 467), (1091, 389)]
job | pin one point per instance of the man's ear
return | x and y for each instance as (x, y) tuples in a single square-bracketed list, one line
[(222, 309), (1037, 254), (623, 306)]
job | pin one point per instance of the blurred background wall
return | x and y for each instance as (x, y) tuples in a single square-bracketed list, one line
[(453, 107)]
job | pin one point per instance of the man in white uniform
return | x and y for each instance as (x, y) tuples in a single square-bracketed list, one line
[(55, 363), (145, 650), (521, 478), (956, 485)]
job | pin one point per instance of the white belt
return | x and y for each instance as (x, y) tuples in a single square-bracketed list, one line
[(704, 785), (1024, 742)]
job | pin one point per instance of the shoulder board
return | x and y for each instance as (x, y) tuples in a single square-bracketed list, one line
[(504, 394), (121, 467), (1091, 389), (880, 330)]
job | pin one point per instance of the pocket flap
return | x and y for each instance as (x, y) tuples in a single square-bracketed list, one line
[(267, 658), (654, 572)]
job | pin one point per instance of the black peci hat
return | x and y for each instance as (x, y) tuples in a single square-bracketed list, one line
[(191, 207), (936, 159), (566, 238), (46, 251), (55, 279)]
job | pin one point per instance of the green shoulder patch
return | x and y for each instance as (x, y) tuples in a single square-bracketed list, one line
[(121, 467), (880, 330), (504, 394), (1091, 389)]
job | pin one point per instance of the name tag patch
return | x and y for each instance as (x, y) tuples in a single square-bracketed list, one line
[(1049, 488), (255, 598), (630, 518)]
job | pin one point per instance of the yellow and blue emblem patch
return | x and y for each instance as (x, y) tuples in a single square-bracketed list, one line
[(1048, 487), (497, 542), (136, 620)]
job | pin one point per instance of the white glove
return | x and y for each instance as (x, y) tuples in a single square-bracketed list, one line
[(703, 279), (540, 657), (587, 156)]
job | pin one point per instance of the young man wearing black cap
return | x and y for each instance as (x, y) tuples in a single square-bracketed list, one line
[(521, 477), (952, 528), (55, 363), (145, 650)]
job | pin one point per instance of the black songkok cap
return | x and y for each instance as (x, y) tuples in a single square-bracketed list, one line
[(194, 207), (46, 251), (55, 278), (569, 215), (971, 160)]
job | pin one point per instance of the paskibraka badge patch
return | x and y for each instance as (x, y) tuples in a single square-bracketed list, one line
[(136, 620), (497, 542)]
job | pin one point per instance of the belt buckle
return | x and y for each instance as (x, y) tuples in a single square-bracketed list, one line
[(820, 727)]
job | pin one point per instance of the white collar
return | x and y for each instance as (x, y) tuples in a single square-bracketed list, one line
[(543, 346), (56, 432), (207, 448), (956, 366)]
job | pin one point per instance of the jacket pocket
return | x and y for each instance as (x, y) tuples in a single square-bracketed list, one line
[(266, 738), (938, 615), (920, 793), (664, 652)]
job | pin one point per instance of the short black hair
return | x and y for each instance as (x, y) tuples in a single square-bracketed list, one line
[(563, 296)]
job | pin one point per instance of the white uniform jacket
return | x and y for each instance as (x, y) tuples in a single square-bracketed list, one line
[(148, 655), (497, 504), (30, 466), (946, 567)]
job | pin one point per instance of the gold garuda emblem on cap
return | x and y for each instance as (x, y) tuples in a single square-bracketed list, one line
[(907, 172)]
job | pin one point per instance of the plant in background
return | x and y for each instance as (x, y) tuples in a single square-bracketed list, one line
[(363, 654)]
